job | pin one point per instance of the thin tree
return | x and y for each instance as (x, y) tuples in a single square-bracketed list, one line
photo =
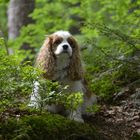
[(18, 16)]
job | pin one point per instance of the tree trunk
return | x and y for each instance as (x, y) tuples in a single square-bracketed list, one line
[(18, 12)]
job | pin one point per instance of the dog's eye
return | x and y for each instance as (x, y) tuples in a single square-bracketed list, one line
[(70, 41), (57, 41)]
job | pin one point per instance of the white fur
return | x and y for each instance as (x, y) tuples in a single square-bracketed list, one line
[(60, 49), (61, 66), (64, 35), (35, 97)]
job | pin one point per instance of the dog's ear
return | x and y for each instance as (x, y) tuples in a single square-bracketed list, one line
[(45, 59), (75, 68)]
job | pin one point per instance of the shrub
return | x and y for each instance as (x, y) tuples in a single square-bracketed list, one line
[(46, 126), (16, 79)]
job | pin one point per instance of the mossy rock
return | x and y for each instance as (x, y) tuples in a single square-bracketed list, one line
[(46, 127)]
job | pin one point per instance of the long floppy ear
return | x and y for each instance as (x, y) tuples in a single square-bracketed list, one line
[(46, 59), (75, 68)]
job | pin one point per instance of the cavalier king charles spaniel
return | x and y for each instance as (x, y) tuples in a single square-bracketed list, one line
[(60, 58)]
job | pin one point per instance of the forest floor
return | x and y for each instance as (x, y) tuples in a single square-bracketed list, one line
[(119, 121)]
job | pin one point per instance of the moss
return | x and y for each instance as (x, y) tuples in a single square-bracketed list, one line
[(46, 126)]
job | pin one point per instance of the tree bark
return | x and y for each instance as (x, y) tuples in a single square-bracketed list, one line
[(18, 16)]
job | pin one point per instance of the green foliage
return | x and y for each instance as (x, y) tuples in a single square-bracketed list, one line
[(104, 87), (45, 126), (16, 79), (3, 17), (54, 93), (109, 29), (111, 62), (94, 108), (1, 42), (74, 100)]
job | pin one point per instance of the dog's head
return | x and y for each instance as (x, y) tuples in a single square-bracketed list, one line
[(56, 44), (63, 42)]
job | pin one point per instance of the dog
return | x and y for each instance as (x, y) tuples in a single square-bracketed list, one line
[(60, 58)]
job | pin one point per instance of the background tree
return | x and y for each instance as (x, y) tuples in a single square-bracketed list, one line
[(18, 16)]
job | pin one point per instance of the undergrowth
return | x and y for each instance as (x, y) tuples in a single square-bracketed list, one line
[(45, 126)]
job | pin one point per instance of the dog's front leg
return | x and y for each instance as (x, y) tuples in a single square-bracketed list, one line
[(76, 115), (35, 97), (53, 108), (88, 103)]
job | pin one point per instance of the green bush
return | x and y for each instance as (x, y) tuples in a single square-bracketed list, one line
[(46, 126), (16, 79), (104, 87)]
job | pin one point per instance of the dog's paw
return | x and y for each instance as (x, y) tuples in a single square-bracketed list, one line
[(78, 119)]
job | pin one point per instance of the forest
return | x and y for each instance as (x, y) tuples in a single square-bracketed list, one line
[(108, 33)]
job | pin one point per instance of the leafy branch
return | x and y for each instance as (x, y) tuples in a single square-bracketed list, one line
[(114, 34)]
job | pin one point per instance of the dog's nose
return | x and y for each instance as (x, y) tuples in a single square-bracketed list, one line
[(65, 47)]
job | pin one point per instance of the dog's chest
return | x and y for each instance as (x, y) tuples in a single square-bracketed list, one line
[(61, 75), (73, 86), (62, 64)]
